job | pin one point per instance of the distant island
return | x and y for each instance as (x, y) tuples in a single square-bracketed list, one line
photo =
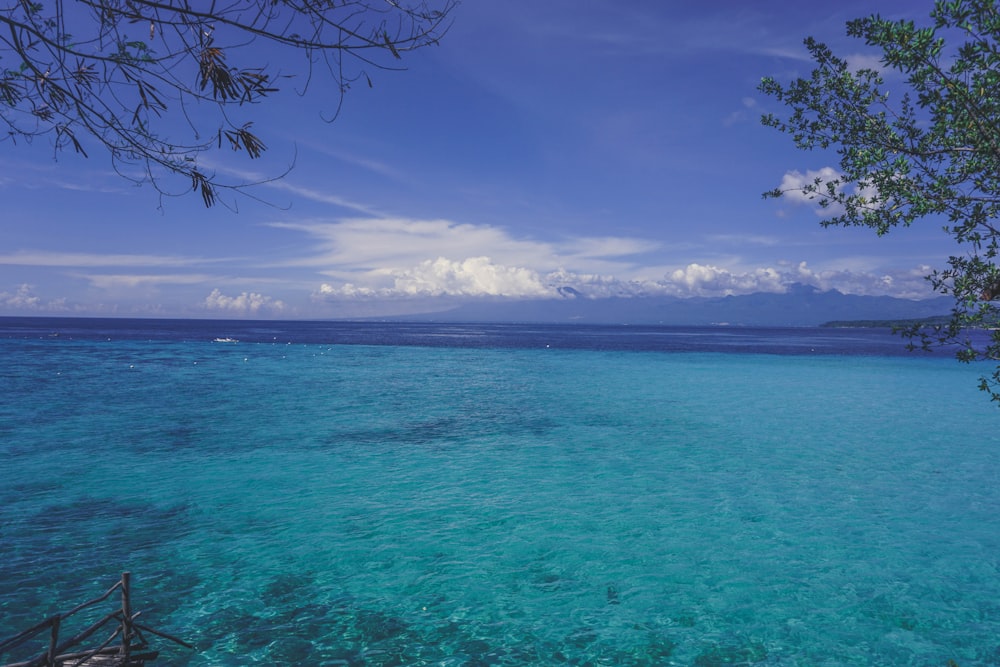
[(937, 320), (798, 306)]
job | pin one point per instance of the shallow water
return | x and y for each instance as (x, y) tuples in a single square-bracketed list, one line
[(469, 496)]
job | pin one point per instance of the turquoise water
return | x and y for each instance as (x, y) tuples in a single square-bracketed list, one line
[(309, 503)]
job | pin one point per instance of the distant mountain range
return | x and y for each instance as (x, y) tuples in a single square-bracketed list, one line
[(801, 305)]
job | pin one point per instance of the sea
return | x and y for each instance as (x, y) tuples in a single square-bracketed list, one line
[(386, 493)]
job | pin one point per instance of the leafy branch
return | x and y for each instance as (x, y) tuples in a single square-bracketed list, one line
[(931, 152), (157, 84)]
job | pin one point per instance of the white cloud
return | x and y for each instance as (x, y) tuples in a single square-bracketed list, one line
[(691, 280), (744, 239), (902, 283), (749, 105), (857, 61), (321, 197), (74, 259), (786, 52), (794, 182), (606, 246), (358, 243), (475, 276), (24, 299), (354, 250), (709, 281), (347, 291), (405, 259), (285, 183), (701, 280), (128, 281), (479, 277), (372, 165), (246, 303)]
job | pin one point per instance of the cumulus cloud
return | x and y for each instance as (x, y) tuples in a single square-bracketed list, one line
[(245, 303), (794, 182), (857, 61), (398, 257), (21, 299), (700, 280), (24, 299), (903, 283), (478, 277), (475, 276), (367, 260)]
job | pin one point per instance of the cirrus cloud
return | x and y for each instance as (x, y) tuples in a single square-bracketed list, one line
[(357, 245)]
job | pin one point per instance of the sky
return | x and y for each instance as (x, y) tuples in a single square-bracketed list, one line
[(612, 147)]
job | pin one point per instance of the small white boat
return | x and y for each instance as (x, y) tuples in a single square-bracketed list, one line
[(225, 340)]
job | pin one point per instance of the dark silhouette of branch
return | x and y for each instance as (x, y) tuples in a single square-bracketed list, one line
[(156, 83)]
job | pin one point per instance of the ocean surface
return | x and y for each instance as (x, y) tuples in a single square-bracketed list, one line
[(313, 493)]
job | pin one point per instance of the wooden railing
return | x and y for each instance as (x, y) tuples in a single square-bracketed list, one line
[(130, 649)]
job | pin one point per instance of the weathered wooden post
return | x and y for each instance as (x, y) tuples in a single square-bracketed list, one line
[(105, 654), (50, 656), (126, 614)]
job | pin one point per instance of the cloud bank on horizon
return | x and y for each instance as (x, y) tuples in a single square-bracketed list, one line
[(615, 152), (593, 268), (392, 260)]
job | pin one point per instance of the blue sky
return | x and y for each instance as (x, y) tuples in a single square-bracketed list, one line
[(610, 146)]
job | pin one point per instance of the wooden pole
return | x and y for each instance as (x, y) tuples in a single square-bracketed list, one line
[(50, 658), (126, 613)]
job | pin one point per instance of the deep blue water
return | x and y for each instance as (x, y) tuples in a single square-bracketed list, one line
[(442, 494), (635, 338)]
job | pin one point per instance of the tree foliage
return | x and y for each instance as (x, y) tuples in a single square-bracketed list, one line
[(158, 83), (917, 138)]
